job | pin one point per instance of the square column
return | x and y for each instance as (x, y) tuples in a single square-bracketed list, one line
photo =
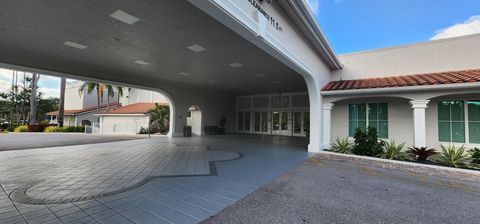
[(419, 122), (327, 124)]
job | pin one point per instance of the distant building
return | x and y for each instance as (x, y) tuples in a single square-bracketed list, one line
[(81, 107)]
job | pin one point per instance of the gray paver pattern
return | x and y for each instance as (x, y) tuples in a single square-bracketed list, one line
[(172, 199), (100, 170)]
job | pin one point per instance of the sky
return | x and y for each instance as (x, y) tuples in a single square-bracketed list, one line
[(356, 25)]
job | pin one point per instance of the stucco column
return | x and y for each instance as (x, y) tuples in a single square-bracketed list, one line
[(327, 124), (419, 122)]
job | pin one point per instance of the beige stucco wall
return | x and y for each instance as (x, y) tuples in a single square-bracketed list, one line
[(453, 54), (400, 118), (123, 124)]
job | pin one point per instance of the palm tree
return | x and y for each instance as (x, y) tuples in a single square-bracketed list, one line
[(61, 110), (110, 94), (89, 87), (119, 93), (33, 100)]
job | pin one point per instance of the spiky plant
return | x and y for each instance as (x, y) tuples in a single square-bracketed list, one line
[(452, 156), (393, 151), (342, 146), (421, 153)]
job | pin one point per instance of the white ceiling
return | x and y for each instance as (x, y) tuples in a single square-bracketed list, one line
[(33, 33)]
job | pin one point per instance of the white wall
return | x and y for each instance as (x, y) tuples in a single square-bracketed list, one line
[(141, 96), (454, 54), (123, 124), (195, 121)]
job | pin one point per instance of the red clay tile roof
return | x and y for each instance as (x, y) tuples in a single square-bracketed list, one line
[(466, 76), (136, 108), (88, 109)]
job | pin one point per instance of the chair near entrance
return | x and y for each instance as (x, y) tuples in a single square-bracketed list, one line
[(216, 130)]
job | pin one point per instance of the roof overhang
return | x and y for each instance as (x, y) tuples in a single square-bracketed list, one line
[(302, 16), (406, 89)]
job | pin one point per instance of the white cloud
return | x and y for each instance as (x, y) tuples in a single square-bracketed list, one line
[(49, 92), (470, 26), (314, 6)]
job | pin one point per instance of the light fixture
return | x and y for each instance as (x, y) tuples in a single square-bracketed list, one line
[(236, 65), (260, 75), (124, 17), (196, 48), (277, 82), (184, 73), (140, 62), (75, 45)]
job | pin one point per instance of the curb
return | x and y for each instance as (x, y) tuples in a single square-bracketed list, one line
[(425, 169)]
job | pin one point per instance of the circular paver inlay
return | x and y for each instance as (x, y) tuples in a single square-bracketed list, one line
[(76, 175)]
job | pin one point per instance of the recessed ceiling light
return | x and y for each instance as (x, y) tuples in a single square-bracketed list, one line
[(75, 45), (260, 75), (277, 82), (184, 73), (236, 65), (196, 48), (140, 62), (211, 81), (124, 17)]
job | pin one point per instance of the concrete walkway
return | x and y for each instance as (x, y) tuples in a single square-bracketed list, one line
[(13, 141), (324, 191), (138, 181)]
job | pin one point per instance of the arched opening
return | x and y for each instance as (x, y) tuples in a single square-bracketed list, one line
[(194, 120), (86, 123)]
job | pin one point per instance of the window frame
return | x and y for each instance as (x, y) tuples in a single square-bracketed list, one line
[(367, 118), (466, 122)]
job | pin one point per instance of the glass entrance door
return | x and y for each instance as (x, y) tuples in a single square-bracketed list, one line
[(280, 125), (301, 123), (260, 122)]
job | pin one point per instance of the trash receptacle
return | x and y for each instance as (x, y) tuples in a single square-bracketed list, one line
[(187, 131)]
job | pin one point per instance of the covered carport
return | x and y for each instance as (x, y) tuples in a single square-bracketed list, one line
[(202, 53)]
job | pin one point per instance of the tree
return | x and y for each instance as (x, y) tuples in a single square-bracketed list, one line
[(159, 117), (89, 87), (61, 110), (119, 93), (110, 94), (33, 99)]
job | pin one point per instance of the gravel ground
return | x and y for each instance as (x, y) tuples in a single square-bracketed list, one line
[(322, 191)]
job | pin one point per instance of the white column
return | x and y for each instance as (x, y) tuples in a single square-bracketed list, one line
[(327, 124), (419, 122)]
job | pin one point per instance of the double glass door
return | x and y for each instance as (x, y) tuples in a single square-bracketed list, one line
[(260, 122), (301, 123), (280, 124)]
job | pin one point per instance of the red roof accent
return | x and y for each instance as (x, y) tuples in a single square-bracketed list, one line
[(136, 108), (465, 76), (79, 111)]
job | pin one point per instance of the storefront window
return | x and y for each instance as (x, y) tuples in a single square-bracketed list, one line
[(451, 121)]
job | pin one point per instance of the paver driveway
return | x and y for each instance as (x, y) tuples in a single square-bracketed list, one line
[(159, 180)]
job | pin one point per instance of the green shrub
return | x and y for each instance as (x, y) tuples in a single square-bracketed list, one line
[(342, 146), (65, 129), (51, 129), (475, 155), (393, 151), (367, 142), (22, 128), (452, 156)]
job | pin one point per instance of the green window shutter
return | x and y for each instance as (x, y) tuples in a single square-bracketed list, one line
[(474, 121)]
